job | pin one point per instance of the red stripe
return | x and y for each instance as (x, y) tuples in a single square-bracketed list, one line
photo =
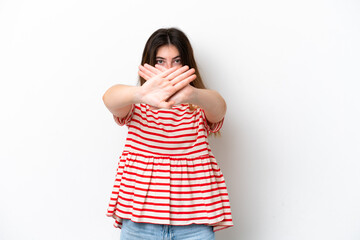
[(172, 191), (171, 178), (168, 154), (169, 212), (167, 148), (163, 111), (182, 107), (158, 121), (165, 130), (172, 165), (167, 141), (217, 226), (185, 112), (142, 130), (171, 198), (173, 219), (172, 172), (226, 220), (194, 172), (167, 204), (172, 185), (205, 156)]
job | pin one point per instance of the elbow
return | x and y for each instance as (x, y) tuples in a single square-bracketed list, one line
[(104, 98), (222, 108), (107, 98)]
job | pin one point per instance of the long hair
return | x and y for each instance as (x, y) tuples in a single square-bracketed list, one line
[(171, 36)]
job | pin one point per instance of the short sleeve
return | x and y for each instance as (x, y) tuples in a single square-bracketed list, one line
[(211, 127), (125, 120)]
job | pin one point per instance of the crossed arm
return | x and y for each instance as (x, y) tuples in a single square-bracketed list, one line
[(163, 89)]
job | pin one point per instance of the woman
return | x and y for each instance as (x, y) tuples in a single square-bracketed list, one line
[(168, 183)]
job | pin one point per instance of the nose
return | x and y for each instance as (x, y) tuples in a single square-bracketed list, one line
[(168, 65)]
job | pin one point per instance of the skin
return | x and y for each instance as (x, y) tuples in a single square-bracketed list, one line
[(167, 84)]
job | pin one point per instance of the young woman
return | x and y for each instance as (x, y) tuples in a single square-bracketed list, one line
[(168, 184)]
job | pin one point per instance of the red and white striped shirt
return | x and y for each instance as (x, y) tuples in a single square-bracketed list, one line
[(167, 173)]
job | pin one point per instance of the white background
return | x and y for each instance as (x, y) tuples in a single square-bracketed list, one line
[(289, 71)]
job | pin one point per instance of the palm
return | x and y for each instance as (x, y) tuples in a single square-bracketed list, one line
[(183, 95), (160, 86), (156, 91)]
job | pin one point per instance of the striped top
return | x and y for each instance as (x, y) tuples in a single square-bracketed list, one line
[(167, 173)]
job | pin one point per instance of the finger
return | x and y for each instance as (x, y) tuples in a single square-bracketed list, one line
[(146, 71), (153, 108), (183, 76), (173, 98), (184, 82), (143, 75), (152, 69), (177, 72), (168, 71), (166, 105), (161, 68)]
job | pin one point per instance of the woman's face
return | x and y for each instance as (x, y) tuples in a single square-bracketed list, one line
[(168, 56)]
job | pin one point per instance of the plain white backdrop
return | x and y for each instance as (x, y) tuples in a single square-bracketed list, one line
[(289, 71)]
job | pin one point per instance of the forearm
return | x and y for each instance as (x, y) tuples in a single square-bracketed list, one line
[(119, 98), (212, 102)]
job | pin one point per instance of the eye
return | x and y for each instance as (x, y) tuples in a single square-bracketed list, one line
[(159, 61), (177, 62)]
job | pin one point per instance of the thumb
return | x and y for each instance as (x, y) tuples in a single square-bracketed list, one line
[(166, 105)]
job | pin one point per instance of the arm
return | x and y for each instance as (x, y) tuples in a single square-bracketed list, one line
[(211, 101), (119, 98), (155, 91)]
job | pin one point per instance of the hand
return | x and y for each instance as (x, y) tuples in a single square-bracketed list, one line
[(161, 85), (184, 95)]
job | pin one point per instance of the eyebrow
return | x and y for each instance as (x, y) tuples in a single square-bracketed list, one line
[(164, 58)]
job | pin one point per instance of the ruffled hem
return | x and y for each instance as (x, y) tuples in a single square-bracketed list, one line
[(172, 191), (217, 226)]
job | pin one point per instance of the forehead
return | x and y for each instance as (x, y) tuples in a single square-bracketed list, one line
[(167, 51)]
